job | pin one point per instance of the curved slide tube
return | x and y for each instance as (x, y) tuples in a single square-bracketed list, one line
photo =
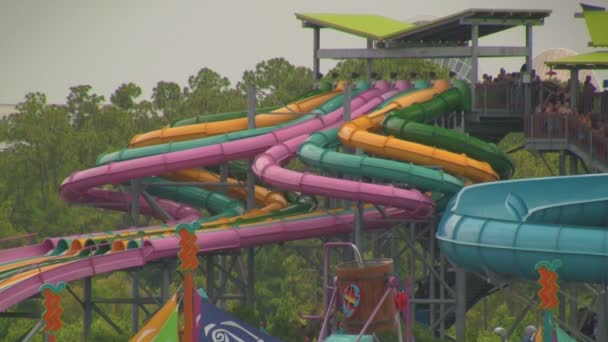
[(139, 152), (267, 167), (408, 124), (507, 227), (254, 143), (76, 185), (356, 134), (24, 285), (314, 152), (206, 129)]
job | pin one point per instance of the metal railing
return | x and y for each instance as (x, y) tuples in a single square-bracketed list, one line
[(509, 96), (571, 129)]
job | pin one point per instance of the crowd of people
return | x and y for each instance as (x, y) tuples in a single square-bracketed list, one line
[(504, 77), (558, 105), (552, 98)]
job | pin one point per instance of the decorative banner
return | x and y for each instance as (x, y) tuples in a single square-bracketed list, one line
[(548, 283), (351, 300), (189, 249), (218, 325), (548, 294), (52, 308), (188, 264)]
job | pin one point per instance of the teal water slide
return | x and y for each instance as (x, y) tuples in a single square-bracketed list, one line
[(507, 227)]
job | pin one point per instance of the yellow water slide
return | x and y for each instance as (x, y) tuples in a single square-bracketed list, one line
[(356, 134), (202, 130)]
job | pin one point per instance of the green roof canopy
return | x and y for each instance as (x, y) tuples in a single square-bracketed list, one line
[(453, 28), (364, 25), (593, 60), (597, 25)]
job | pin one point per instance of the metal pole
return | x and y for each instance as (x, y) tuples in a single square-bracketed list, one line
[(573, 305), (88, 307), (250, 125), (250, 276), (164, 290), (30, 335), (368, 66), (157, 208), (315, 58), (135, 192), (251, 193), (562, 165), (574, 89), (224, 177), (528, 85), (135, 305), (573, 164), (210, 277), (474, 61), (602, 329), (461, 304), (345, 118)]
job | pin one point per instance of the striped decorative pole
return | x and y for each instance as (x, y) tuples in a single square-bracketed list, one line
[(548, 294), (52, 309), (188, 264)]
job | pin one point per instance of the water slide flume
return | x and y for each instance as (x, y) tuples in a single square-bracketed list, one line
[(314, 151), (507, 227), (221, 239), (267, 167), (201, 130), (316, 120), (408, 124), (214, 146), (356, 134), (314, 123)]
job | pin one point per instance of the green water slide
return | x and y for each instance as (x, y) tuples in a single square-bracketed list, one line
[(407, 124)]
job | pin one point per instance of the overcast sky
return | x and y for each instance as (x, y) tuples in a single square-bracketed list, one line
[(49, 46)]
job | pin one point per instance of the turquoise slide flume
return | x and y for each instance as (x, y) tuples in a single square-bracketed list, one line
[(314, 152), (507, 227)]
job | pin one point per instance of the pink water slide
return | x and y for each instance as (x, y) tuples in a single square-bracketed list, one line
[(80, 187)]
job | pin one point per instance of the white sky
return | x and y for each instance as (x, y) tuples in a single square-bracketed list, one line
[(49, 46)]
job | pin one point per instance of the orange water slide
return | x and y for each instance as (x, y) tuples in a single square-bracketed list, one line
[(357, 134), (202, 130)]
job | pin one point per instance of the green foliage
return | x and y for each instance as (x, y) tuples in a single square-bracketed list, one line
[(277, 81), (385, 67), (124, 97)]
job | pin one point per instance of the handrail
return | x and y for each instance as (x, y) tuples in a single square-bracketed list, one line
[(576, 130)]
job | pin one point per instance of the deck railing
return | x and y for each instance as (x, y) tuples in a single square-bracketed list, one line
[(570, 129)]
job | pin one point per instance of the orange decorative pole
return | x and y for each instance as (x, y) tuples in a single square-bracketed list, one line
[(188, 263), (52, 309), (548, 294)]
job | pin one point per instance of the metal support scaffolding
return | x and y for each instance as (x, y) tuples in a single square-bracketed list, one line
[(135, 305), (461, 305), (474, 61), (602, 312), (528, 83), (315, 55), (574, 89), (369, 64), (87, 307), (135, 193), (250, 290)]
